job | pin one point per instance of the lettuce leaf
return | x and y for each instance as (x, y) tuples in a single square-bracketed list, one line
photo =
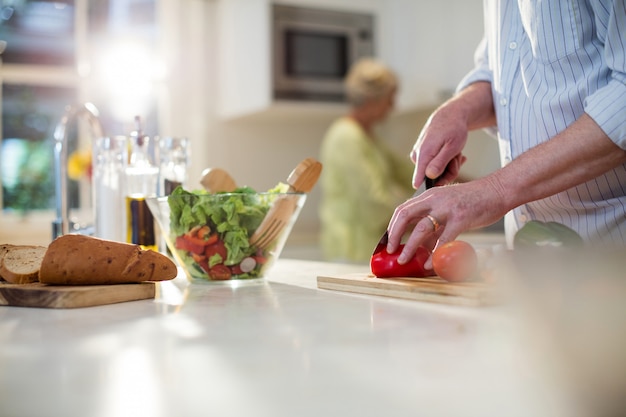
[(234, 217)]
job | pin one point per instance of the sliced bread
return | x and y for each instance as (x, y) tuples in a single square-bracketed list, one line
[(4, 248), (21, 264)]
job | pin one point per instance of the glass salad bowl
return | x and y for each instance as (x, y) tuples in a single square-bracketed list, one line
[(226, 236)]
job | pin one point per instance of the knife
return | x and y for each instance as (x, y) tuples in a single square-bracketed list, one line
[(428, 183)]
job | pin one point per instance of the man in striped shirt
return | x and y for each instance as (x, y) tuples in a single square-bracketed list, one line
[(550, 82)]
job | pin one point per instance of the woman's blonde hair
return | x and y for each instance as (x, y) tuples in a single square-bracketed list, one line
[(369, 79)]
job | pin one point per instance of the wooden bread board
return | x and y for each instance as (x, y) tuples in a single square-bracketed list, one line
[(432, 289), (72, 296)]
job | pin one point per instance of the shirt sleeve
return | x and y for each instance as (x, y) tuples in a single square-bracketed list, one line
[(607, 105), (481, 70)]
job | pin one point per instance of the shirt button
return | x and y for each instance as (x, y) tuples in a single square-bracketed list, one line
[(513, 45), (503, 101), (523, 218)]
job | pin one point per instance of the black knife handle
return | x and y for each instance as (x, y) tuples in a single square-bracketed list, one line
[(430, 183)]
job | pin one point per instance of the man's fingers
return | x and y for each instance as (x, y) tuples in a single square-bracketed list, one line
[(422, 232)]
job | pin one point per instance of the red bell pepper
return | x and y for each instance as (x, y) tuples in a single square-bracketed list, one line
[(201, 236), (185, 244), (196, 240), (385, 265)]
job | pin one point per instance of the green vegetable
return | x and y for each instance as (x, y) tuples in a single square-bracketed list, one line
[(541, 234), (234, 218), (211, 232), (215, 260)]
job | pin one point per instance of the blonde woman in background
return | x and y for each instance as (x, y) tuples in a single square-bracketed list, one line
[(363, 180)]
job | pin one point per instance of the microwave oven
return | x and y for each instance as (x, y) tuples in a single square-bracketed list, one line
[(314, 48)]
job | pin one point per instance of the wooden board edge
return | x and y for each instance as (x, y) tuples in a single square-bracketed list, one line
[(415, 296), (471, 289), (477, 299), (69, 297), (140, 291)]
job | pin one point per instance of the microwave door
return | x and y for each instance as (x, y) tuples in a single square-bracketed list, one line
[(313, 60), (316, 54)]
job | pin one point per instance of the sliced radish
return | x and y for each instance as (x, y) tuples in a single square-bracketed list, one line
[(247, 264)]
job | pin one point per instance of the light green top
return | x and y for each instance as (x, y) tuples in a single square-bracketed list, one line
[(362, 182)]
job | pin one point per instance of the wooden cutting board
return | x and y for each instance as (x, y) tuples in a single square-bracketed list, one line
[(432, 289), (72, 296)]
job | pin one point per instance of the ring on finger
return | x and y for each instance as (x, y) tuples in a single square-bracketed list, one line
[(436, 224)]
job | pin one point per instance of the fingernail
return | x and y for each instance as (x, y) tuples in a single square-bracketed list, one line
[(429, 263), (402, 259)]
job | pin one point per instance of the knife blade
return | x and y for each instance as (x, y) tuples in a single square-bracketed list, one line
[(428, 183)]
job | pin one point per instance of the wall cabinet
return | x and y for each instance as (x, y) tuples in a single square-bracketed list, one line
[(429, 44)]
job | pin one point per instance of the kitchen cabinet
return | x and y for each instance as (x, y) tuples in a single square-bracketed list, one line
[(243, 56), (413, 37)]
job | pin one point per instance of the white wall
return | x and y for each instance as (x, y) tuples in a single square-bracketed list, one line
[(260, 150)]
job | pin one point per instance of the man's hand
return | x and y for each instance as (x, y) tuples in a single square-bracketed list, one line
[(444, 136), (438, 146)]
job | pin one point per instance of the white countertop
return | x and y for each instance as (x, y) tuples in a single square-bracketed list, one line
[(276, 348)]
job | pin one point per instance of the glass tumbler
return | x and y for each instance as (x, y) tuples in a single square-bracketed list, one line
[(108, 185)]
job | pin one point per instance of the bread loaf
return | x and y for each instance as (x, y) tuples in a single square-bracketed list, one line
[(20, 264), (85, 260)]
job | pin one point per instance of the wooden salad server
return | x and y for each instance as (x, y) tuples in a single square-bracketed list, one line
[(216, 180), (301, 180)]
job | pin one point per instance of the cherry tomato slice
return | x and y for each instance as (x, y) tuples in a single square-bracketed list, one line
[(385, 265), (455, 261), (220, 272), (236, 270), (216, 248)]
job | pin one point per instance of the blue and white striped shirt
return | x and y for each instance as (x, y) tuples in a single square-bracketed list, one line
[(548, 63)]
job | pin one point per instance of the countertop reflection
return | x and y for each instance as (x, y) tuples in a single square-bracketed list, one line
[(279, 347)]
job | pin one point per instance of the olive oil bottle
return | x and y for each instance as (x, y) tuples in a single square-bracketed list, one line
[(140, 225), (142, 176)]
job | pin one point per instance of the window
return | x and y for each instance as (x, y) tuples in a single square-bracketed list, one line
[(29, 114), (51, 57), (38, 32)]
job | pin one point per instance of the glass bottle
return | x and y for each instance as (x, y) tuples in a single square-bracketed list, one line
[(141, 177), (174, 158)]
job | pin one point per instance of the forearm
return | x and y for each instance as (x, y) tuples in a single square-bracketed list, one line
[(475, 105), (578, 154)]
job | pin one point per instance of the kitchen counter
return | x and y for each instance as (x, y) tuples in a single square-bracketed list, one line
[(276, 348)]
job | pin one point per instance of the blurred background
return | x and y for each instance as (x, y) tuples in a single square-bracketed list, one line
[(203, 69)]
